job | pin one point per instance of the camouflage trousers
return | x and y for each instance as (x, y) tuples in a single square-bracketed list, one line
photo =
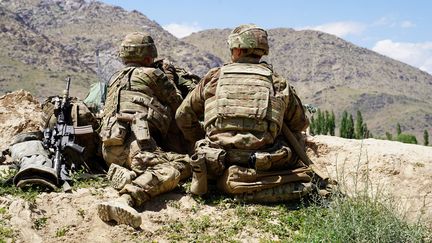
[(268, 175), (157, 171)]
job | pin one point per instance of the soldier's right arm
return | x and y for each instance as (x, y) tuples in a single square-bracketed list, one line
[(191, 110)]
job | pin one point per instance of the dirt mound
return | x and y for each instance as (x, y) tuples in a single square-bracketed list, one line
[(383, 168), (19, 112)]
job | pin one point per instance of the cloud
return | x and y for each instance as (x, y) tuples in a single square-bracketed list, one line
[(385, 21), (393, 22), (416, 54), (340, 29), (183, 29), (407, 24)]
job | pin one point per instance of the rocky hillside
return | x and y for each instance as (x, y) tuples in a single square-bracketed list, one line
[(44, 41), (30, 60), (67, 34), (337, 75)]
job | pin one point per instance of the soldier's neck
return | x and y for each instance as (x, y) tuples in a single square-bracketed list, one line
[(248, 60)]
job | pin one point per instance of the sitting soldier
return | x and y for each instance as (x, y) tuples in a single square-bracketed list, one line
[(140, 106), (246, 106)]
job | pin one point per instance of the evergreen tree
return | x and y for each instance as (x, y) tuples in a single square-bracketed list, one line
[(332, 124), (425, 138), (365, 131), (312, 126), (326, 123), (407, 138), (359, 133), (398, 129), (389, 136), (343, 126), (319, 124), (350, 127)]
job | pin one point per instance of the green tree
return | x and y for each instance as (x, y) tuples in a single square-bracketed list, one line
[(365, 131), (398, 129), (359, 133), (350, 127), (407, 138), (312, 126), (326, 123), (332, 124), (343, 126), (389, 136), (425, 138), (320, 121)]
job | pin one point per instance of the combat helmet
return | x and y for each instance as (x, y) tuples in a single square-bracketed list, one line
[(137, 45), (249, 36)]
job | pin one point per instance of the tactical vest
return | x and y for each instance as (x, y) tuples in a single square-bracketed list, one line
[(244, 101), (121, 100)]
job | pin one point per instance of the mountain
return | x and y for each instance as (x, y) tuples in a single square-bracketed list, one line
[(30, 60), (44, 41), (334, 74), (70, 32)]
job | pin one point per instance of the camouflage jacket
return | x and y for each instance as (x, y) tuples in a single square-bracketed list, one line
[(191, 111), (154, 83)]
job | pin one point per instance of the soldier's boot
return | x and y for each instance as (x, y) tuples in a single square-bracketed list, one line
[(282, 193), (120, 211), (199, 175), (120, 176)]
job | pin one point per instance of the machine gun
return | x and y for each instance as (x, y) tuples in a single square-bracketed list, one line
[(60, 139)]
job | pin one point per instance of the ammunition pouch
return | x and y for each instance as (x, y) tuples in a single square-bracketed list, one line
[(214, 158), (274, 160), (237, 179), (114, 131), (277, 157)]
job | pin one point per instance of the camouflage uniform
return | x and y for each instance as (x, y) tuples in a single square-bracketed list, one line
[(137, 116), (244, 105)]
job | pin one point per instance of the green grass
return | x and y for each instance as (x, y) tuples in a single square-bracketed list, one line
[(7, 234), (82, 179), (39, 223), (60, 232), (8, 188), (340, 219)]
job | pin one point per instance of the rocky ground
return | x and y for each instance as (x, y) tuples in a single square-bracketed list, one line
[(401, 172)]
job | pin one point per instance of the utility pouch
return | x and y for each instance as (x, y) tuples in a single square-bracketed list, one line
[(279, 159), (215, 160), (199, 175), (140, 129), (114, 132)]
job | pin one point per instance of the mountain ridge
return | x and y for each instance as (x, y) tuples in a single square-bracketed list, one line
[(326, 71)]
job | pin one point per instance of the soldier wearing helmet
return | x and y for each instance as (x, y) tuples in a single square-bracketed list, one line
[(140, 105), (239, 144)]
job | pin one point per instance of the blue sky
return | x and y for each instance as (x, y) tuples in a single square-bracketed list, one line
[(399, 29)]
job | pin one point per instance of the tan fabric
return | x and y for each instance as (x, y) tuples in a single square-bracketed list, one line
[(158, 179), (192, 109), (237, 179), (282, 193), (244, 102), (199, 175), (150, 98)]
